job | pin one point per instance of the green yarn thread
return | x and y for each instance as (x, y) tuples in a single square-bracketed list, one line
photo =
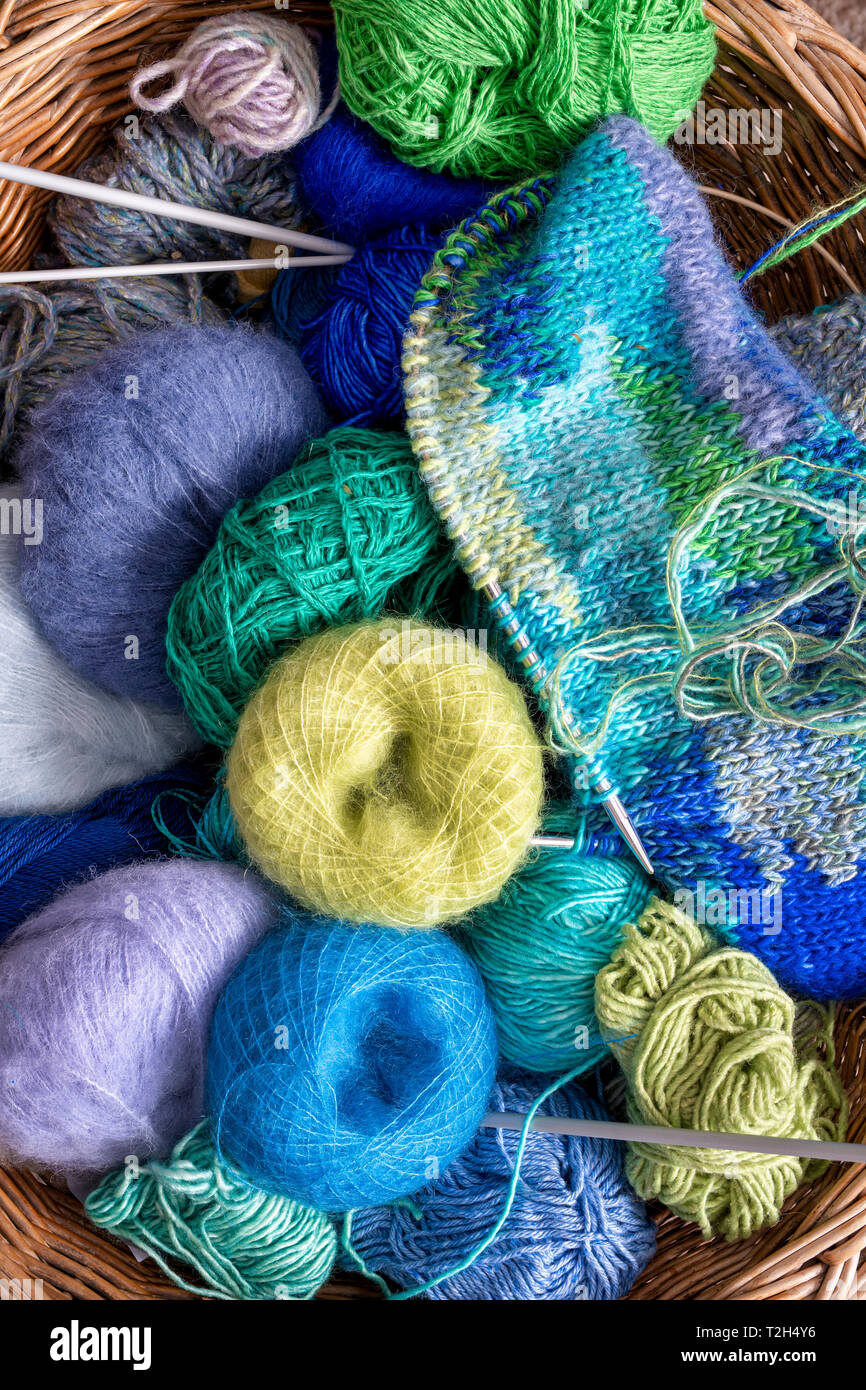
[(508, 87), (715, 1048), (244, 1243), (540, 946), (346, 531)]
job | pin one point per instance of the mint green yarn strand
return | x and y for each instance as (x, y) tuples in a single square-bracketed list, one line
[(494, 1230), (244, 1243)]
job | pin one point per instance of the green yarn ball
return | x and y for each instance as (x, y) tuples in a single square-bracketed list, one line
[(708, 1040), (191, 1210), (348, 530), (504, 88), (540, 946)]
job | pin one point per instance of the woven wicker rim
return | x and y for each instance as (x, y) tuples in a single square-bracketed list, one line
[(64, 75)]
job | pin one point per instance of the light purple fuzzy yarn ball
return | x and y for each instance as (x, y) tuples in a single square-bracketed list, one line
[(106, 998), (252, 80), (137, 459)]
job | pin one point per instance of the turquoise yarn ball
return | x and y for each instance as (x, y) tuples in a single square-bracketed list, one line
[(539, 947), (348, 1063)]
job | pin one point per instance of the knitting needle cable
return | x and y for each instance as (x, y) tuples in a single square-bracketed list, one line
[(507, 619), (119, 272), (822, 1149), (165, 207)]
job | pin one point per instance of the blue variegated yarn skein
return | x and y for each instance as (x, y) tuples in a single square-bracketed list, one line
[(171, 157), (575, 1229)]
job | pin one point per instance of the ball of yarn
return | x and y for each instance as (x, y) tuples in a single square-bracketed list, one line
[(137, 459), (356, 188), (193, 1211), (251, 79), (386, 772), (715, 1048), (171, 158), (321, 545), (40, 855), (347, 1063), (575, 1230), (352, 346), (540, 945), (47, 333), (63, 741), (107, 996), (508, 88)]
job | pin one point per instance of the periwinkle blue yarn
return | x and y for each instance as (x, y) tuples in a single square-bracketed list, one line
[(40, 855), (576, 1229), (137, 458), (352, 345), (348, 1063)]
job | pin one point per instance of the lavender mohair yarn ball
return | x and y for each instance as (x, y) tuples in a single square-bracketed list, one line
[(575, 1231), (107, 996), (136, 460), (63, 741)]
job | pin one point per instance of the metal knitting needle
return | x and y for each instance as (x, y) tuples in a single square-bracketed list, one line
[(120, 272), (165, 207), (822, 1149), (532, 663)]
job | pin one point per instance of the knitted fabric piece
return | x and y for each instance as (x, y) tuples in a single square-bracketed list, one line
[(578, 384), (827, 345)]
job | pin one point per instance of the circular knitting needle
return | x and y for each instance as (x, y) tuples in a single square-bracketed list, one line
[(537, 672)]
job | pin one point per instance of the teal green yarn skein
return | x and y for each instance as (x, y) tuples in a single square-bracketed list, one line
[(345, 532), (193, 1210), (539, 947)]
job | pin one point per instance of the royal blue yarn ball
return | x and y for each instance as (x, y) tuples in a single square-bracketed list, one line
[(356, 188), (576, 1229), (137, 458), (41, 855), (352, 345), (348, 1063)]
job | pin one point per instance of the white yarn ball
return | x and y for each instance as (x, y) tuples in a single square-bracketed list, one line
[(62, 740)]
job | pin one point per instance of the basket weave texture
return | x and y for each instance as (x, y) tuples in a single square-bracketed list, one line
[(64, 76)]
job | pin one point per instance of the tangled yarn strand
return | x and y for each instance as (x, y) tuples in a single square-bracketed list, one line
[(251, 79)]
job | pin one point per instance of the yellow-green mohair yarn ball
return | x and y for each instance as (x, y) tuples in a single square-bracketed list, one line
[(713, 1047), (387, 772)]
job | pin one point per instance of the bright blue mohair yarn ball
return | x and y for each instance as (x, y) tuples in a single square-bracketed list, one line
[(137, 458), (348, 1063), (576, 1229), (352, 344), (40, 855)]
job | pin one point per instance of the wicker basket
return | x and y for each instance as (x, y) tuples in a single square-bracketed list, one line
[(64, 73)]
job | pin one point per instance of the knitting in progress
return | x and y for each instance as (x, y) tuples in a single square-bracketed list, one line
[(432, 679), (600, 424)]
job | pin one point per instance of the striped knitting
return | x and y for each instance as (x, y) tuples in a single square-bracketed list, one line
[(582, 377)]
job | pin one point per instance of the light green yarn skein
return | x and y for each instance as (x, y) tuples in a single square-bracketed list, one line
[(191, 1210), (540, 946), (714, 1049), (508, 87)]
